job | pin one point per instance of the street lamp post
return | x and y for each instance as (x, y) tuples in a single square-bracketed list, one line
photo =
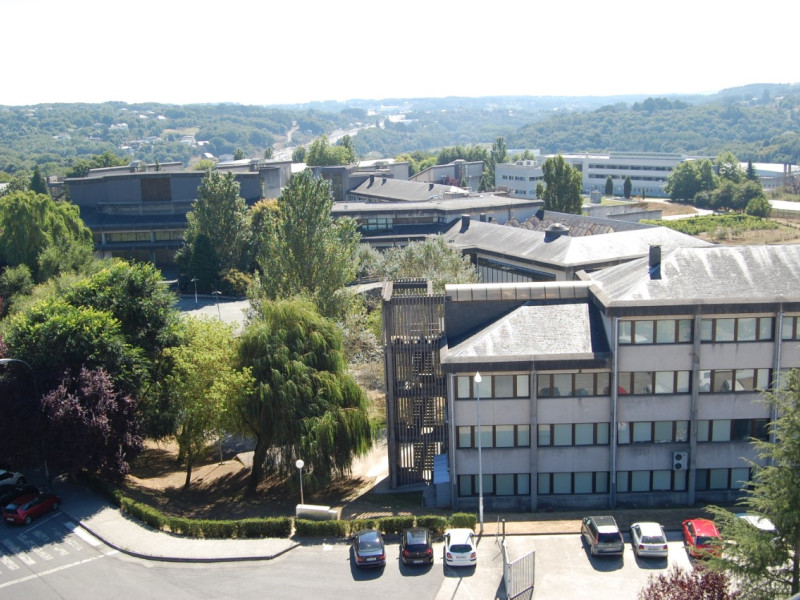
[(478, 380), (194, 281), (217, 294), (300, 464)]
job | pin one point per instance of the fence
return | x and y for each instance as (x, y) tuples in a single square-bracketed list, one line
[(518, 575)]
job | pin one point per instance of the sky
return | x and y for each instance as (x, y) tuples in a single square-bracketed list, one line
[(272, 52)]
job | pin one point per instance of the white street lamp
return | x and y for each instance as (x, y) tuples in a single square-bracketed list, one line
[(478, 380), (194, 281), (300, 464), (217, 294)]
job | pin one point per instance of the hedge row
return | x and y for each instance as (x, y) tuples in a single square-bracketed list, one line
[(273, 526)]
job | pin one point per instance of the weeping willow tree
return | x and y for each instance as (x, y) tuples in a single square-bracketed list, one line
[(303, 404)]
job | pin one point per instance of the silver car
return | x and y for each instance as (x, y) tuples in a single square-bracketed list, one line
[(649, 540)]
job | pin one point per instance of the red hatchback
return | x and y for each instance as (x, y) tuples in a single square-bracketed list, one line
[(701, 536), (26, 508)]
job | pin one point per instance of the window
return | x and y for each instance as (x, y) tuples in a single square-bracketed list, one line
[(655, 382), (721, 479), (734, 380), (728, 430), (790, 328), (573, 384), (501, 484), (742, 329), (651, 481), (652, 431), (661, 331), (495, 436), (588, 482), (492, 386), (577, 434)]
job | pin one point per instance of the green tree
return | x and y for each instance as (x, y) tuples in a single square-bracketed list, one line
[(766, 565), (14, 281), (30, 223), (219, 213), (304, 251), (202, 383), (321, 153), (347, 143), (269, 153), (205, 164), (433, 259), (759, 207), (497, 155), (303, 404), (82, 166), (38, 182), (609, 191), (563, 184), (627, 186), (238, 154), (689, 178), (299, 154), (728, 167), (751, 174)]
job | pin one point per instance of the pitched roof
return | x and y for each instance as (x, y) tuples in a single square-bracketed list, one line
[(397, 190), (729, 274)]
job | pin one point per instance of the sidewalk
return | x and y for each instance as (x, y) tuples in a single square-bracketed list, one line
[(107, 523)]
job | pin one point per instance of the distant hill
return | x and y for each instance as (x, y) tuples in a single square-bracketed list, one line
[(758, 121)]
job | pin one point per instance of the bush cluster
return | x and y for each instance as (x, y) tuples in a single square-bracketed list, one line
[(273, 526)]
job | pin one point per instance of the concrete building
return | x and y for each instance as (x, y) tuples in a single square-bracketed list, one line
[(459, 173), (637, 385), (519, 179)]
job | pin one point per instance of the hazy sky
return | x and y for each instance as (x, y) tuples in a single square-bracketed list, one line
[(273, 52)]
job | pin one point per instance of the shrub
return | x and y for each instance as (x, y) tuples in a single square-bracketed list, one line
[(308, 528), (436, 523), (468, 520), (152, 517), (261, 528), (395, 524), (359, 524)]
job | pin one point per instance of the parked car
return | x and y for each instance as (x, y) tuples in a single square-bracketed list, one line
[(602, 535), (649, 540), (9, 493), (762, 523), (26, 508), (459, 548), (11, 478), (416, 547), (700, 536), (368, 548)]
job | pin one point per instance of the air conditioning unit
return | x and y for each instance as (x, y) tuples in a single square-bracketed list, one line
[(680, 460)]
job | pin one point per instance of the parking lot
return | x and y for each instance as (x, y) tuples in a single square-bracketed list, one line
[(565, 569)]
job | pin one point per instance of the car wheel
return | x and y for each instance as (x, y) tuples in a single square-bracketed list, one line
[(27, 520)]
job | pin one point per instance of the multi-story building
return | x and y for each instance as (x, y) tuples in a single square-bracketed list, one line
[(639, 384), (519, 179)]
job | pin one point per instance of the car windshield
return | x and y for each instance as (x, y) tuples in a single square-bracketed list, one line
[(652, 539), (608, 538), (369, 545), (460, 548), (702, 540)]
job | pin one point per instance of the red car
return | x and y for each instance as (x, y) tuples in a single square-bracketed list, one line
[(701, 536), (26, 508)]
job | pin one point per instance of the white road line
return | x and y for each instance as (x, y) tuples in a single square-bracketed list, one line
[(49, 572), (83, 534)]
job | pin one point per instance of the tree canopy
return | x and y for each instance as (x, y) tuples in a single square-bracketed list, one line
[(563, 186), (433, 259), (303, 404)]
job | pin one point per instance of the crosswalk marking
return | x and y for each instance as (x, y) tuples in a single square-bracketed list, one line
[(18, 551), (83, 534)]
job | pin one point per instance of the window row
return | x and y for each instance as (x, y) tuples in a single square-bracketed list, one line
[(501, 484), (655, 382), (573, 384), (660, 331), (492, 386), (495, 436), (659, 432), (573, 434), (572, 483), (734, 380), (721, 479), (732, 430), (742, 329)]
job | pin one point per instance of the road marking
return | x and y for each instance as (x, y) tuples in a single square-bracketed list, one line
[(50, 571), (83, 534), (18, 551), (9, 564)]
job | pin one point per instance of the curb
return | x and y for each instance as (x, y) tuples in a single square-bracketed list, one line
[(175, 559)]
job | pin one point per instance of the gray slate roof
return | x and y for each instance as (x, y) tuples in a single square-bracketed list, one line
[(729, 274), (398, 190), (531, 332), (567, 251)]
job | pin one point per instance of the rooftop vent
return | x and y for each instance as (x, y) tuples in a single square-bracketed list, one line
[(555, 231), (655, 262)]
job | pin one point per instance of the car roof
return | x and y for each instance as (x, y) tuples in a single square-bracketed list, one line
[(649, 528), (704, 527), (458, 536), (762, 523)]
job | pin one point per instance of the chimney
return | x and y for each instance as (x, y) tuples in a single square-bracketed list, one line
[(555, 231), (430, 186), (371, 180), (483, 217), (655, 262), (464, 222)]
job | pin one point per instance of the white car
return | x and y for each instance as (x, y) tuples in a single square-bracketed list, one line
[(12, 478), (649, 540), (459, 548), (762, 523)]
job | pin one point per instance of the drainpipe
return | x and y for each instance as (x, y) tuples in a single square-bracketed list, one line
[(451, 443), (691, 488), (776, 367), (612, 498), (534, 481)]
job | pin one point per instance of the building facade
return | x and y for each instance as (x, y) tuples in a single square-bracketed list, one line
[(638, 385)]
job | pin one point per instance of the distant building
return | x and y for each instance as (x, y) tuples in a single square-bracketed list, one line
[(519, 178), (459, 173)]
